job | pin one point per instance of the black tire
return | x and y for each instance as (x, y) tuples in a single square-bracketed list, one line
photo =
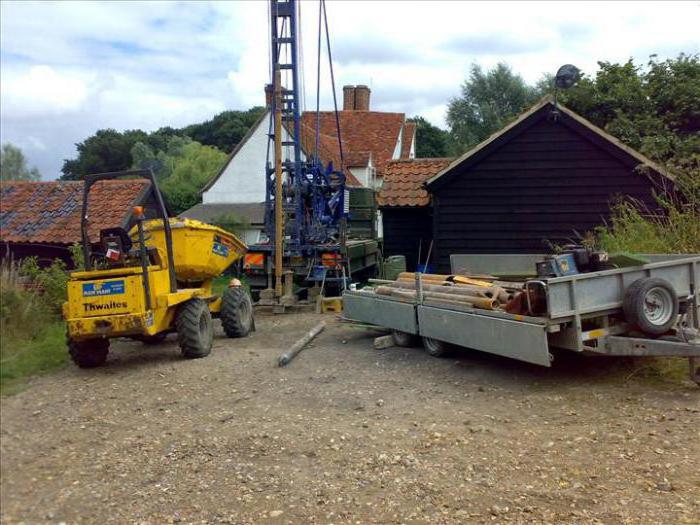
[(90, 353), (435, 348), (236, 312), (152, 339), (404, 339), (195, 329), (651, 304)]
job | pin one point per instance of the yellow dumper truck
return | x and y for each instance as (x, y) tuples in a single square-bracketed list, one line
[(152, 280)]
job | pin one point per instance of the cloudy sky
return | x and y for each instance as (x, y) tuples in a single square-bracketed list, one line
[(70, 68)]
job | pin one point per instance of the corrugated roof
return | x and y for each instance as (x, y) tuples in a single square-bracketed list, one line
[(253, 212), (404, 181), (49, 212)]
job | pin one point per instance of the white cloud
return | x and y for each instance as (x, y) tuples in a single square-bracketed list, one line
[(70, 68), (40, 90)]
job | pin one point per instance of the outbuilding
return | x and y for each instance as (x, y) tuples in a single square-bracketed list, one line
[(404, 203), (546, 179), (42, 219)]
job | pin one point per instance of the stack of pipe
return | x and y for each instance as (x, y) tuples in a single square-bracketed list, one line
[(483, 292)]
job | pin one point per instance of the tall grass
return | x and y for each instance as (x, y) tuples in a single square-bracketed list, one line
[(32, 334), (674, 228)]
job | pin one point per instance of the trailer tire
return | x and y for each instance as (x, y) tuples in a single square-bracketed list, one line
[(195, 329), (435, 348), (236, 312), (90, 353), (404, 338), (651, 304)]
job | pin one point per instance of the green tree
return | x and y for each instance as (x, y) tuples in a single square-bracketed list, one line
[(654, 109), (431, 141), (111, 150), (489, 100), (13, 165), (225, 130), (182, 169), (107, 150)]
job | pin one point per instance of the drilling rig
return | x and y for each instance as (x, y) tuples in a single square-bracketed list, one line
[(309, 248)]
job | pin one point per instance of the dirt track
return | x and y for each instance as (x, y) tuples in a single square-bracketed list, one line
[(348, 434)]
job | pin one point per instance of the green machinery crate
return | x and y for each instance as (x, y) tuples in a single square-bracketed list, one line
[(363, 213)]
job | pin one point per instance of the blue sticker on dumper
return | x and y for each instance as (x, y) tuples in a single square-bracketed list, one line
[(100, 289), (220, 249)]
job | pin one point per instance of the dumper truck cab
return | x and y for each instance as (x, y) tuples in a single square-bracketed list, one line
[(152, 280)]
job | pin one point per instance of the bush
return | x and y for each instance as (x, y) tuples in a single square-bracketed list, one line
[(674, 229), (32, 334), (632, 230)]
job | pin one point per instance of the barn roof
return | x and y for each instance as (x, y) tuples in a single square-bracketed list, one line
[(404, 181), (49, 212), (543, 109)]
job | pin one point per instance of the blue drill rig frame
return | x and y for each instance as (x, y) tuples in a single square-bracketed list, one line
[(315, 200)]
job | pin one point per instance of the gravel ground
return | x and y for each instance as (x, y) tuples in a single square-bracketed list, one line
[(348, 434)]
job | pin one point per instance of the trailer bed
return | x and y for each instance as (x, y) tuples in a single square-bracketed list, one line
[(573, 302)]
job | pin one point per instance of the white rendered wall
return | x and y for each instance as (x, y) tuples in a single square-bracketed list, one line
[(397, 149), (243, 179)]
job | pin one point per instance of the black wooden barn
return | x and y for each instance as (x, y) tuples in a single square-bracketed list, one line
[(544, 180)]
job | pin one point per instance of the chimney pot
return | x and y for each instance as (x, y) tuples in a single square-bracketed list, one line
[(348, 98), (362, 94)]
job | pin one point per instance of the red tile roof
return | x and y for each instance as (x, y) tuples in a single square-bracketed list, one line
[(328, 150), (409, 132), (403, 181), (49, 212), (362, 131)]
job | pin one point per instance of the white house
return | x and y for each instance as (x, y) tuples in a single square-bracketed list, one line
[(370, 140)]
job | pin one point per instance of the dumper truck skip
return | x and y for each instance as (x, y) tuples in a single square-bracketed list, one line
[(153, 280)]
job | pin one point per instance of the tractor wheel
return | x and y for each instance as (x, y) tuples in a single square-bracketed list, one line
[(152, 339), (89, 354), (651, 305), (404, 338), (435, 348), (195, 330), (236, 312)]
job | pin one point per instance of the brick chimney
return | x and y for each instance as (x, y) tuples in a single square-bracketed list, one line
[(362, 98), (348, 98), (269, 95)]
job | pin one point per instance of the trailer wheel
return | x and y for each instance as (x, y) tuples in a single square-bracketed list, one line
[(435, 348), (404, 338), (651, 304), (195, 330), (89, 354), (236, 312)]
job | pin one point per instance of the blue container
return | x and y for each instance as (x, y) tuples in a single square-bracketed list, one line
[(424, 268)]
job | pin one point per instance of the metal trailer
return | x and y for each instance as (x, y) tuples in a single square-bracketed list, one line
[(584, 313)]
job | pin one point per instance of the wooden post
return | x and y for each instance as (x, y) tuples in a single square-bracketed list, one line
[(297, 347), (279, 212)]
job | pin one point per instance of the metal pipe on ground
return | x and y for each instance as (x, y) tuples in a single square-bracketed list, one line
[(287, 357)]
